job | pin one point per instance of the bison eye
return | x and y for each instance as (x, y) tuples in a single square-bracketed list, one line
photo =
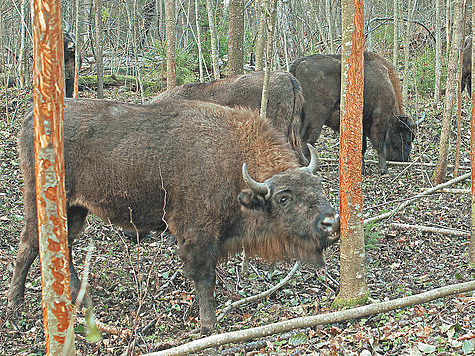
[(283, 200)]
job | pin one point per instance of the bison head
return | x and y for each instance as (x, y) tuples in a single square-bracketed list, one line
[(290, 216), (399, 140)]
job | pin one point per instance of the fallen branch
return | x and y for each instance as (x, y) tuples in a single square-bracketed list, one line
[(431, 229), (408, 201), (309, 321), (453, 191), (260, 295)]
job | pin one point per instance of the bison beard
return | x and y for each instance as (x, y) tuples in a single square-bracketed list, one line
[(384, 120), (122, 156)]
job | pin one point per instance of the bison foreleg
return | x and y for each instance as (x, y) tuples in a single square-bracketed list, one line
[(199, 259)]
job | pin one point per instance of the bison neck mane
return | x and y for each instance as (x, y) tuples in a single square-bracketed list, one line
[(266, 150)]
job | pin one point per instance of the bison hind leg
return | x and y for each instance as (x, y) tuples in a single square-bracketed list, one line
[(27, 252)]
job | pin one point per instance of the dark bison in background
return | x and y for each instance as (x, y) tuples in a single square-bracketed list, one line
[(69, 48), (467, 66), (189, 159), (384, 121), (284, 108)]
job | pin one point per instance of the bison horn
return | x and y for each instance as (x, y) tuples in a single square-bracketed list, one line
[(415, 123), (257, 187), (67, 26), (312, 166)]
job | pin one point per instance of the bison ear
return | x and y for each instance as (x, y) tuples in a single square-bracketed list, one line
[(250, 200)]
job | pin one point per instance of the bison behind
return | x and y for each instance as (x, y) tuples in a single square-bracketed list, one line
[(384, 121), (184, 158)]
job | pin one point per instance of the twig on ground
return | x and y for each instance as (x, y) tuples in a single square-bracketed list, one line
[(321, 319), (260, 295), (431, 229), (409, 200)]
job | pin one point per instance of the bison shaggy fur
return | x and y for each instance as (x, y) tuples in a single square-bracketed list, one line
[(284, 108), (182, 161)]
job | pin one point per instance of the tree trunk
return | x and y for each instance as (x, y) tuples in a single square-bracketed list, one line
[(410, 8), (77, 52), (287, 30), (171, 40), (214, 39), (471, 254), (48, 101), (438, 53), (269, 54), (353, 285), (23, 59), (396, 33), (198, 41), (330, 21), (441, 167), (98, 45), (261, 36), (148, 12), (236, 37), (459, 95)]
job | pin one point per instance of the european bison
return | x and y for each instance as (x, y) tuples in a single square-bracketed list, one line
[(467, 66), (285, 106), (187, 159), (384, 121), (69, 48)]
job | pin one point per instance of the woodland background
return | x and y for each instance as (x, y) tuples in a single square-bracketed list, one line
[(140, 286)]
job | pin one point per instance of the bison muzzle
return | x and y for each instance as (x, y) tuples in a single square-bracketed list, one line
[(188, 160)]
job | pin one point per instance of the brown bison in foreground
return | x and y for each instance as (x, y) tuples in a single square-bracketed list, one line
[(187, 160), (384, 121), (284, 109)]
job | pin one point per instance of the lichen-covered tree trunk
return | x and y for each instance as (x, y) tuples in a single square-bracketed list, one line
[(48, 92), (98, 45), (214, 39), (171, 40), (236, 37), (198, 41), (441, 166), (353, 285)]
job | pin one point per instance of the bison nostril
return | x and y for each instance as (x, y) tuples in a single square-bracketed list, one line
[(329, 223)]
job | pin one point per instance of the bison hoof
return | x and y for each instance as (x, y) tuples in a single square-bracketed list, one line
[(206, 329)]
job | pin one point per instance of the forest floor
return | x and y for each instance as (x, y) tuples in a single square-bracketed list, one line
[(161, 309)]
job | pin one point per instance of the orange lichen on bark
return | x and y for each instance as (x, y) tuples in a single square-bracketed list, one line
[(51, 201)]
